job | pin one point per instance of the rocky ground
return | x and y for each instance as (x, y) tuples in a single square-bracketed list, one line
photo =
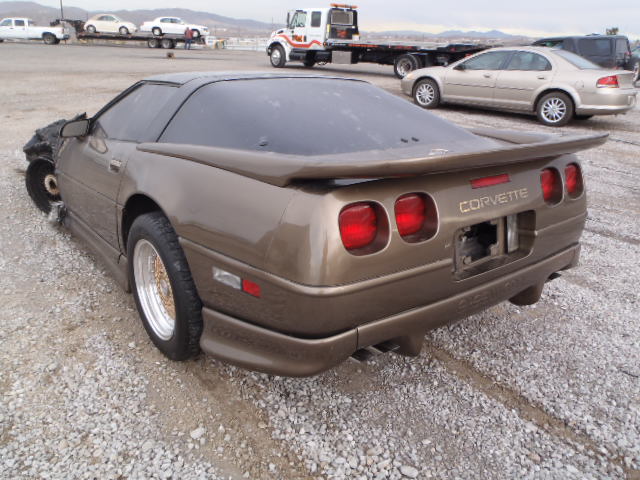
[(550, 391)]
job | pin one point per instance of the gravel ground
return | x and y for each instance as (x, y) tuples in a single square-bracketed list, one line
[(550, 391)]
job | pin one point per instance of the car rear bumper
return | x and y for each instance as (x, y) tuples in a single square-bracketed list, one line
[(234, 340), (607, 101)]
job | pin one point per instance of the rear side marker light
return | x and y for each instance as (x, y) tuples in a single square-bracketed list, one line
[(573, 180), (551, 185), (237, 283), (490, 181), (411, 212), (358, 225), (608, 82)]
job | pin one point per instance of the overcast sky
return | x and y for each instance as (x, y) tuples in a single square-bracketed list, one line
[(532, 17)]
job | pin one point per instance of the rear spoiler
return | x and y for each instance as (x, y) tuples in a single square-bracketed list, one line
[(283, 169)]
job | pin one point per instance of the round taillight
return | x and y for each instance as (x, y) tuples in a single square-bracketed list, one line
[(358, 225), (551, 185), (573, 180), (411, 212)]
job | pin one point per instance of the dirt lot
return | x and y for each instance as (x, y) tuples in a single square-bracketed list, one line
[(550, 391)]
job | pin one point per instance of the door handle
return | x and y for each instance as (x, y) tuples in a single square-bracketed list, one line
[(115, 164), (487, 75), (541, 77)]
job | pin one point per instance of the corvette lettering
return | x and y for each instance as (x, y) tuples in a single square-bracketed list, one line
[(493, 200)]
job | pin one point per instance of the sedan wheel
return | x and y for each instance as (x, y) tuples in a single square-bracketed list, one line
[(555, 109), (42, 184), (123, 31), (91, 29), (426, 93), (165, 294)]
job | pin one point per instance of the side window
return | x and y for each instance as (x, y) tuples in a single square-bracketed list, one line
[(129, 119), (299, 20), (595, 46), (31, 23), (528, 61), (103, 18), (316, 19), (486, 61), (111, 19), (19, 23), (622, 46), (165, 20), (6, 23)]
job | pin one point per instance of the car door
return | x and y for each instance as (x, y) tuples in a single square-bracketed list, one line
[(6, 28), (472, 81), (90, 168), (20, 28), (518, 84), (298, 28), (110, 24)]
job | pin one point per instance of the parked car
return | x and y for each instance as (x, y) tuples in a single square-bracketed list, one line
[(608, 51), (288, 246), (173, 25), (26, 29), (109, 23), (554, 84)]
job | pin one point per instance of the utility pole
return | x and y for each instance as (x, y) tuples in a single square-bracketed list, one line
[(61, 11)]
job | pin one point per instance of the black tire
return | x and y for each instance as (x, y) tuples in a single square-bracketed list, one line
[(555, 109), (583, 117), (123, 31), (636, 71), (196, 33), (405, 64), (38, 180), (49, 39), (167, 43), (309, 62), (185, 340), (277, 56), (90, 29), (156, 31), (426, 93), (153, 43)]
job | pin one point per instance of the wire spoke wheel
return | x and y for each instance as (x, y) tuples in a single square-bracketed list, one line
[(154, 289)]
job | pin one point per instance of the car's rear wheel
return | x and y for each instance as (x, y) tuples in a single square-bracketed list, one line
[(277, 57), (555, 109), (156, 31), (90, 29), (404, 65), (426, 93), (164, 291), (42, 184), (123, 31)]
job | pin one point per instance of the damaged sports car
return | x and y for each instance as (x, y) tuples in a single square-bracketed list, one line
[(284, 223)]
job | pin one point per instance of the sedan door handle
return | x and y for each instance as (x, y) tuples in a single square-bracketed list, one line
[(114, 165), (541, 77), (487, 75)]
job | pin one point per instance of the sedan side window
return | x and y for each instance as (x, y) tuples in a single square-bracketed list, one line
[(528, 61), (129, 119), (487, 61)]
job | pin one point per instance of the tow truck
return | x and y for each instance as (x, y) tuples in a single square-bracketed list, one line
[(331, 35)]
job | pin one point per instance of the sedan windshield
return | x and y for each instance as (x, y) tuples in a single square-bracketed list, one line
[(576, 60)]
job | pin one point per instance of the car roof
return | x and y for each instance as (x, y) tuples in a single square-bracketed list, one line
[(208, 77)]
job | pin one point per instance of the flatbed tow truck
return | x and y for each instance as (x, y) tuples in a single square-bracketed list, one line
[(330, 35)]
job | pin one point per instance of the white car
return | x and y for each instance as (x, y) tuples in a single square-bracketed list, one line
[(173, 25), (26, 29), (109, 23)]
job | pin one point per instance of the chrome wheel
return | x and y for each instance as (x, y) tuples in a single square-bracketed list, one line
[(276, 55), (405, 67), (425, 94), (554, 110), (154, 289)]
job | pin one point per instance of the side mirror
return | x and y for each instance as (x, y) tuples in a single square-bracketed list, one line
[(75, 128), (460, 67)]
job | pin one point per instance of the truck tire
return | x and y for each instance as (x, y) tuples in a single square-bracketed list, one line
[(123, 31), (167, 43), (277, 56), (196, 33), (309, 62), (156, 31), (41, 183), (162, 286), (153, 43), (426, 93), (555, 109), (49, 39), (405, 64)]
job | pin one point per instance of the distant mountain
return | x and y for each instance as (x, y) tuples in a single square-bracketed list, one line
[(217, 23)]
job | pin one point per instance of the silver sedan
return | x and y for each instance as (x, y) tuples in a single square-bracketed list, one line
[(556, 85)]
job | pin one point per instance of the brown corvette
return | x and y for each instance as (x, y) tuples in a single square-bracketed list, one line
[(284, 223)]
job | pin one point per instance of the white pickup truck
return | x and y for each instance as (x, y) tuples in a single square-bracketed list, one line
[(26, 29)]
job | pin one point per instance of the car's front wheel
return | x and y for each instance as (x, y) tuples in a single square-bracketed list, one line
[(123, 31), (426, 93), (277, 56), (555, 109), (164, 291), (91, 29), (156, 31), (42, 184)]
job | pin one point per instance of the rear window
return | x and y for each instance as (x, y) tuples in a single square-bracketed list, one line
[(595, 46), (341, 17), (576, 60), (305, 116)]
